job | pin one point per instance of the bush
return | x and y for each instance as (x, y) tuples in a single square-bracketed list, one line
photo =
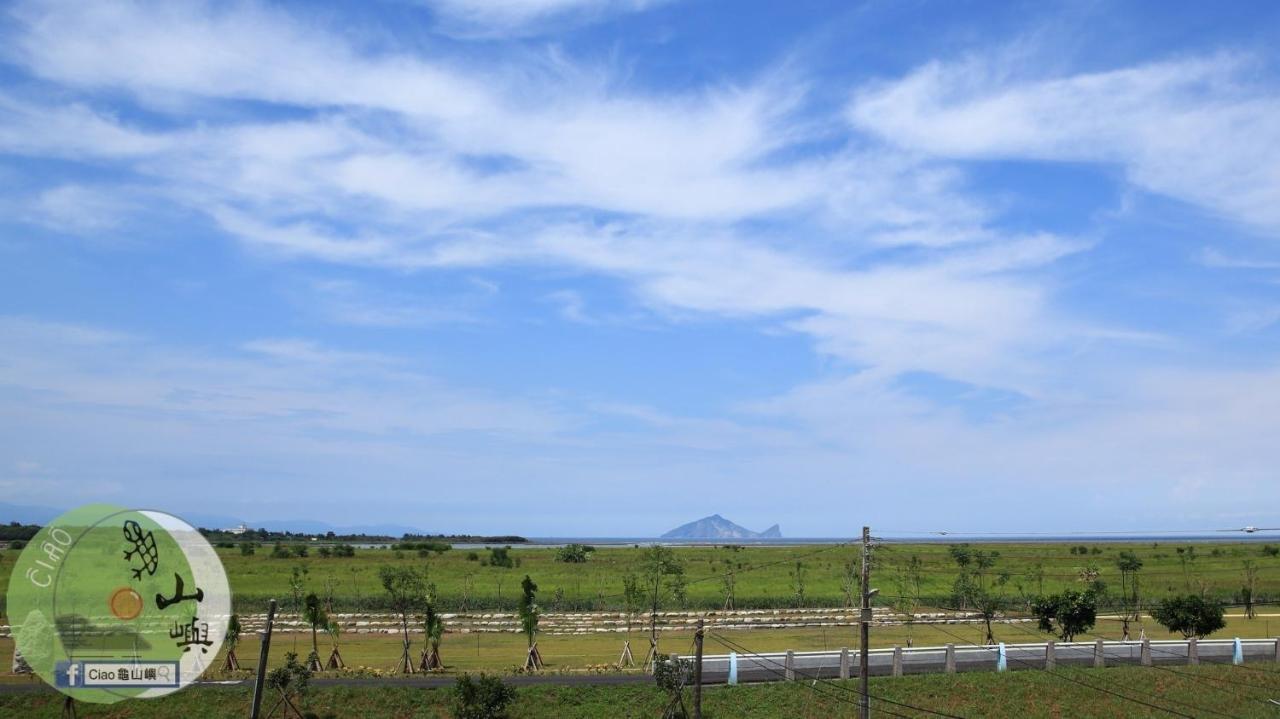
[(247, 549), (672, 675), (325, 552), (574, 553), (299, 550), (473, 556), (17, 544), (501, 557), (344, 550), (280, 551), (483, 698), (1270, 551), (1190, 616)]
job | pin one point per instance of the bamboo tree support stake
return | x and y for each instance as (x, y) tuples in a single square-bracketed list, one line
[(626, 659), (335, 659), (264, 652)]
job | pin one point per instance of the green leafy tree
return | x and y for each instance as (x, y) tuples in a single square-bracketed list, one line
[(316, 617), (297, 589), (988, 605), (663, 576), (1187, 558), (672, 675), (1190, 615), (1130, 599), (527, 608), (1067, 614), (1250, 586), (799, 577), (291, 681), (406, 592), (433, 627), (851, 581)]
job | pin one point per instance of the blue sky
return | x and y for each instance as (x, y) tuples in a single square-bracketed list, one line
[(599, 268)]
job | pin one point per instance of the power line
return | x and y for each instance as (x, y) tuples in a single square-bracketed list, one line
[(1085, 684), (817, 678), (732, 646), (1189, 677)]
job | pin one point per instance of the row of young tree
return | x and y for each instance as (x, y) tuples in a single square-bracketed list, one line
[(981, 588)]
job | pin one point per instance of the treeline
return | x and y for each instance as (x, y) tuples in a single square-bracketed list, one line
[(15, 532), (271, 535), (467, 538)]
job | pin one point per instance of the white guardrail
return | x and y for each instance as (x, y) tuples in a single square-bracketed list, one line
[(842, 663)]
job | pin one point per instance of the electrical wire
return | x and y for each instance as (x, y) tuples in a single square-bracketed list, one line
[(734, 646)]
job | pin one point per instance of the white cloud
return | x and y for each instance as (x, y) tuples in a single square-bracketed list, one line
[(526, 17), (1200, 130)]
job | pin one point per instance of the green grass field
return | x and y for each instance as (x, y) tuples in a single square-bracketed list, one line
[(1194, 691), (501, 653), (764, 578)]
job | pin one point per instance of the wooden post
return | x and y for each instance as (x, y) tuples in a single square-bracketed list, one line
[(1193, 651), (897, 661), (697, 673), (1146, 652), (951, 659), (1099, 657), (1050, 655), (864, 626), (264, 651), (844, 661), (789, 666)]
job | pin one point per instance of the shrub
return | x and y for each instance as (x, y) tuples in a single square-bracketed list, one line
[(483, 698), (501, 557), (280, 551), (1270, 551), (574, 553), (299, 550), (247, 549), (473, 556), (344, 550), (325, 552), (17, 544)]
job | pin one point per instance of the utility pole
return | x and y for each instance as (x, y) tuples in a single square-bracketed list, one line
[(864, 627), (697, 673), (264, 652)]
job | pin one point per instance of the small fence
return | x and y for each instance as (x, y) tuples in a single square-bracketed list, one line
[(782, 666)]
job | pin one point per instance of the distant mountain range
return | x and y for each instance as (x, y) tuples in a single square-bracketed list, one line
[(42, 515), (717, 527)]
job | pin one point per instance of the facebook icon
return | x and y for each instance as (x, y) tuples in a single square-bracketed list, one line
[(67, 674)]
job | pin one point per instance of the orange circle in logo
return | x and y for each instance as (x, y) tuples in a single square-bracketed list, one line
[(126, 603)]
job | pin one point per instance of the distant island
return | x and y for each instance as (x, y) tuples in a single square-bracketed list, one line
[(717, 527)]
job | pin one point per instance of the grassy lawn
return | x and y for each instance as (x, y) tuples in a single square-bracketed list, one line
[(764, 578), (501, 653), (1198, 691)]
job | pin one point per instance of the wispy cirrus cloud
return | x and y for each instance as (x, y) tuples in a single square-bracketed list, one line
[(1198, 129)]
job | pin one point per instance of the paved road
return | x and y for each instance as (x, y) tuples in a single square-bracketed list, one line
[(416, 682)]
